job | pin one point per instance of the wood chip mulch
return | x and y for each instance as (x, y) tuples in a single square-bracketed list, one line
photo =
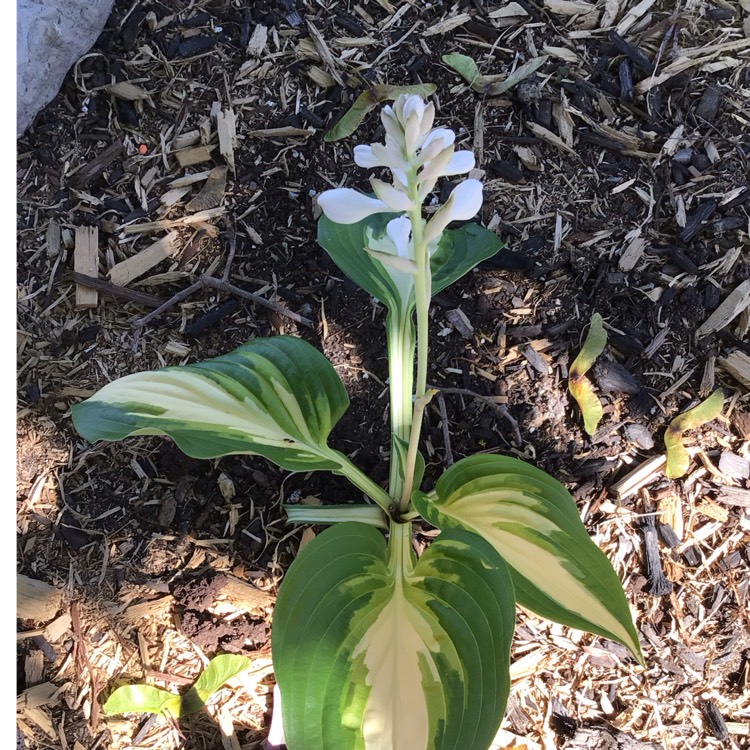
[(166, 213)]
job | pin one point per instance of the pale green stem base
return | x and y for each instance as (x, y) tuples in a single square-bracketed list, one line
[(401, 343)]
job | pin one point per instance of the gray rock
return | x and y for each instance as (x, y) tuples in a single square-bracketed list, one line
[(51, 36)]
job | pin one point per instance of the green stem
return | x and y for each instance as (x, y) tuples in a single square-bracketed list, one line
[(400, 335), (411, 457), (359, 479), (422, 294)]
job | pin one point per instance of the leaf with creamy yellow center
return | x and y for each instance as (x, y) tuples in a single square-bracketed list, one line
[(376, 651), (532, 521), (278, 397)]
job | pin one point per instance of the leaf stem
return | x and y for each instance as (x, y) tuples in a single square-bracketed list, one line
[(401, 555), (359, 479), (330, 514)]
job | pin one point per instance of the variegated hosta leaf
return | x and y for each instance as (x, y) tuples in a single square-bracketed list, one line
[(277, 397), (374, 652), (532, 521)]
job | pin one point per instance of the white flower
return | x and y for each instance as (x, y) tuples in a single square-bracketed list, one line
[(347, 206), (391, 195), (417, 155), (399, 232), (463, 203)]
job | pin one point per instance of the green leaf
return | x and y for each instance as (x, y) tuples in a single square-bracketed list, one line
[(219, 671), (371, 650), (345, 244), (468, 70), (278, 397), (143, 699), (465, 67), (367, 101), (596, 340), (532, 521), (518, 75), (578, 385), (459, 251), (678, 459)]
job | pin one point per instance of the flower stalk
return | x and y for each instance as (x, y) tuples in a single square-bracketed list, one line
[(417, 156)]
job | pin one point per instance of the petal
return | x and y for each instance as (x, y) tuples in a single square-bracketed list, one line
[(463, 203), (390, 157), (428, 118), (363, 157), (393, 197), (461, 163), (399, 179), (425, 188), (398, 107), (405, 265), (392, 126), (411, 134), (448, 136), (436, 167), (466, 199), (347, 206), (429, 152), (399, 231), (414, 105)]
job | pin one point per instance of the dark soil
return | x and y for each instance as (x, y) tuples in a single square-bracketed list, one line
[(114, 524)]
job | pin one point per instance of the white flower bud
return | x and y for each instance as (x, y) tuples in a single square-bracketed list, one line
[(464, 202), (347, 206), (393, 197)]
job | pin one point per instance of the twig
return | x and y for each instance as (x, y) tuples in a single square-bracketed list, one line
[(232, 232), (148, 300), (499, 409), (82, 660), (446, 431), (222, 285)]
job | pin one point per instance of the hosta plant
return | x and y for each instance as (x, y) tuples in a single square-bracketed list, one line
[(374, 647)]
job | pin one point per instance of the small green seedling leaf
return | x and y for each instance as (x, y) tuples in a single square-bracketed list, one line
[(578, 385), (493, 85), (465, 67), (518, 75), (678, 459), (143, 699), (367, 101), (152, 700), (219, 671)]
